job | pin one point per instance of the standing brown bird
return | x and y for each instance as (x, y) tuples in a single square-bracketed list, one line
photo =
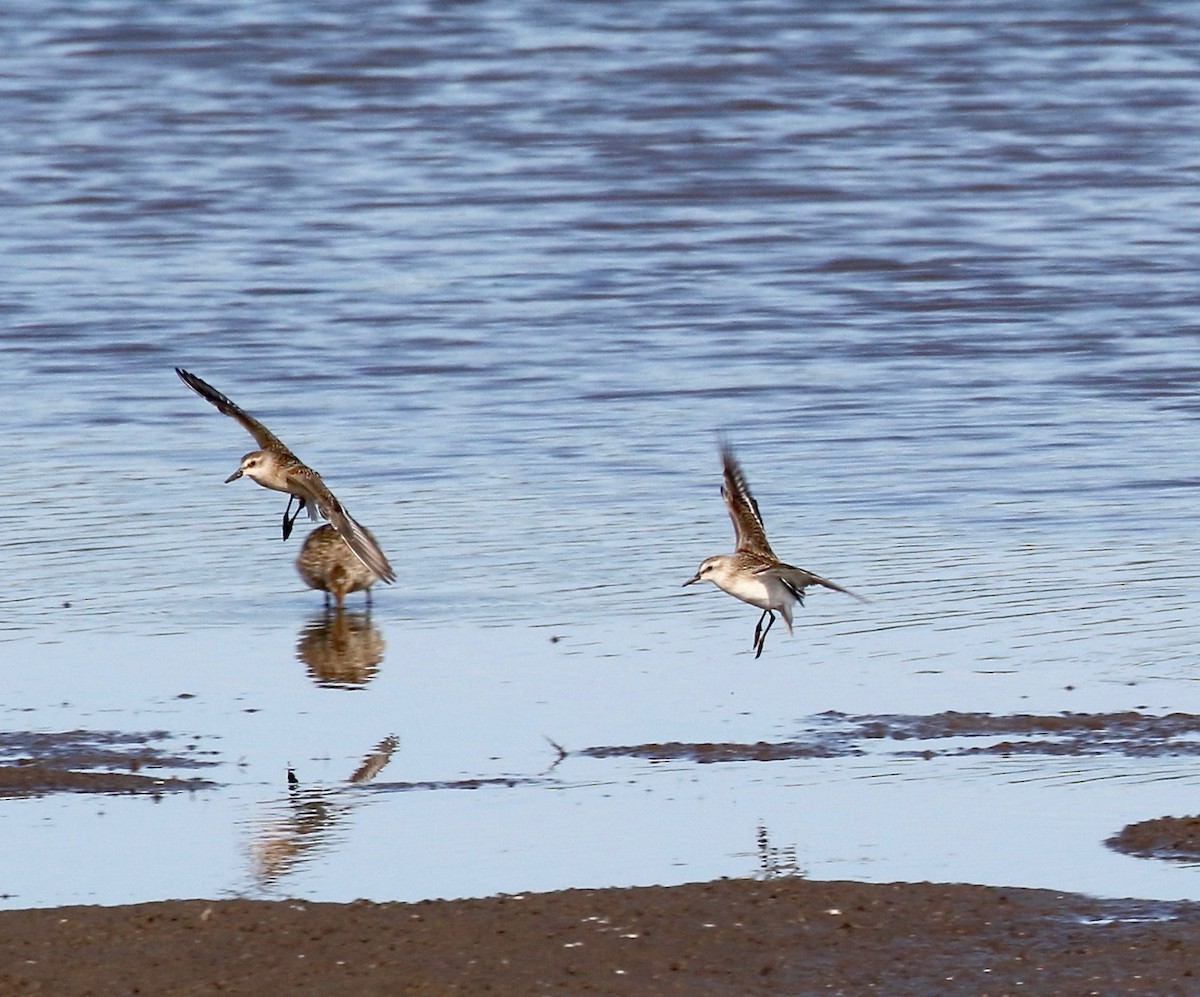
[(327, 564)]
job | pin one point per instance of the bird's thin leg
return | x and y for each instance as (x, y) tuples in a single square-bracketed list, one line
[(367, 593), (762, 640), (758, 626), (289, 523), (287, 526)]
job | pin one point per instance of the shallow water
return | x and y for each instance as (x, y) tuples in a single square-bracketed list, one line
[(502, 273)]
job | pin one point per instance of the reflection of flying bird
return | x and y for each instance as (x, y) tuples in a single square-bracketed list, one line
[(301, 826), (752, 572), (327, 564), (274, 466), (375, 760)]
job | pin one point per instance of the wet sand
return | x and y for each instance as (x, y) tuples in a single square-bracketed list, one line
[(746, 937)]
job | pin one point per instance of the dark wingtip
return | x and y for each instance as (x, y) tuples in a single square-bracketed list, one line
[(729, 462), (845, 591), (724, 447), (195, 383)]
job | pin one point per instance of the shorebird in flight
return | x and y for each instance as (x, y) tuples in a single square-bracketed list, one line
[(752, 572), (274, 466)]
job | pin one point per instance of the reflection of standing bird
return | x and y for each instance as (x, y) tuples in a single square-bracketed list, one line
[(327, 563), (341, 650), (752, 572), (276, 467)]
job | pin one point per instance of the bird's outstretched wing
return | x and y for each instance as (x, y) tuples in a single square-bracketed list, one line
[(358, 538), (265, 439), (743, 510)]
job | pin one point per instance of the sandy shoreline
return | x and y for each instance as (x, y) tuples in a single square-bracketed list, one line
[(729, 937)]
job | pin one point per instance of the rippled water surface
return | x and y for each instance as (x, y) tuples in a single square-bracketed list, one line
[(503, 272)]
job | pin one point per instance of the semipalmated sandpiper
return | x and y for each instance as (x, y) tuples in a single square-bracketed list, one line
[(274, 466), (327, 563), (752, 572)]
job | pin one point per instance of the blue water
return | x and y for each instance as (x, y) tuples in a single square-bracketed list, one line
[(502, 272)]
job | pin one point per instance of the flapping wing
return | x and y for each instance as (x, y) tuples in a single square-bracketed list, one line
[(743, 510), (358, 538), (797, 579), (265, 439)]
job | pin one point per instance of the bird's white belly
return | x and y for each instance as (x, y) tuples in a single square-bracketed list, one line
[(273, 480), (765, 593)]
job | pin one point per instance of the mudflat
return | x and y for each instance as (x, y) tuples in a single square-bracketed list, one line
[(730, 937)]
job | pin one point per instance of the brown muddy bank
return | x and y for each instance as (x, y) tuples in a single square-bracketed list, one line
[(1175, 838), (951, 733), (737, 938), (37, 763)]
